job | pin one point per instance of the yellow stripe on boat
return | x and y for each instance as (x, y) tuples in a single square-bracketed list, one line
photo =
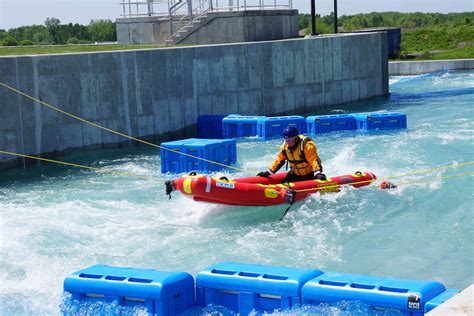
[(187, 185), (271, 193)]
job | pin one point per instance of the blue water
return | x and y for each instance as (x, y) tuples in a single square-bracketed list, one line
[(56, 219)]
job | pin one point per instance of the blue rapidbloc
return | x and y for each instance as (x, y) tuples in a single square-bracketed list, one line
[(171, 159), (330, 123), (440, 299), (162, 293), (380, 120), (222, 151), (408, 297), (272, 127), (210, 126), (236, 126), (244, 287)]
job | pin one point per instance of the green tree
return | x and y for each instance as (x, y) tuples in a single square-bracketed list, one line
[(102, 31), (9, 41), (53, 26), (26, 42)]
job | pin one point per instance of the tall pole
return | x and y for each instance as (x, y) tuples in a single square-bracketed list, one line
[(313, 18), (335, 16)]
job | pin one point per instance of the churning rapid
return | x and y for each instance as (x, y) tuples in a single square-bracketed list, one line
[(56, 219)]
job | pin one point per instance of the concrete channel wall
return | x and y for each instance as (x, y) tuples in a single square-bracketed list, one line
[(214, 28), (158, 94), (408, 68)]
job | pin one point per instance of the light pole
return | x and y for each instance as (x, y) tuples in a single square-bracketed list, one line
[(335, 16), (313, 18)]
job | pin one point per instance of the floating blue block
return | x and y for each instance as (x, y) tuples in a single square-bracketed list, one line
[(210, 126), (236, 126), (380, 120), (440, 299), (408, 297), (272, 127), (330, 123), (222, 151), (171, 160), (244, 287), (162, 293)]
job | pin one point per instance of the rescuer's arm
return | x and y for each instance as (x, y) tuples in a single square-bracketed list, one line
[(278, 163), (313, 159)]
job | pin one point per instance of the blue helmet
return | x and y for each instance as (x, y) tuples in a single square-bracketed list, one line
[(290, 132)]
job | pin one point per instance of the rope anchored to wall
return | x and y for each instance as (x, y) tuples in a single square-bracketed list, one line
[(113, 131)]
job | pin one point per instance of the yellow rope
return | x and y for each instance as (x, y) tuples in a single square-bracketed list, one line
[(195, 157), (438, 178), (80, 166), (375, 180), (110, 130), (430, 170), (302, 190)]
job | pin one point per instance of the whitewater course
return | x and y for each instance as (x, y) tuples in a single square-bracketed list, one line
[(58, 219)]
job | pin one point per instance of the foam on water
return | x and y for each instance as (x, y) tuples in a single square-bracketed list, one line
[(55, 219)]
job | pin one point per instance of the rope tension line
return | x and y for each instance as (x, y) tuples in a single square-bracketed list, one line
[(80, 166), (430, 170), (112, 131), (302, 190), (399, 176), (398, 184), (175, 151)]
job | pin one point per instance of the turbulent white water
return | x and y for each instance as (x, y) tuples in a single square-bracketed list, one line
[(56, 220)]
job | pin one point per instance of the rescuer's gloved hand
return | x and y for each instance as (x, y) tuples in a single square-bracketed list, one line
[(319, 176), (264, 174)]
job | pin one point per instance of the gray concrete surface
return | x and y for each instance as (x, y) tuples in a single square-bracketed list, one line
[(460, 305), (158, 94), (406, 68), (394, 38), (214, 28)]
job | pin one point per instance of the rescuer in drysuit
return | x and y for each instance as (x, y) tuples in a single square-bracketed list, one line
[(300, 151)]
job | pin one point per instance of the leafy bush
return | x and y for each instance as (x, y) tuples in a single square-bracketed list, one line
[(26, 43), (9, 41), (102, 31), (73, 40)]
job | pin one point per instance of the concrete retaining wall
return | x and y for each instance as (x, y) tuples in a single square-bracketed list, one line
[(215, 28), (245, 26), (407, 68), (158, 94)]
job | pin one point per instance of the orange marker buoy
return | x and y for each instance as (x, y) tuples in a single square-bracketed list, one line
[(387, 185)]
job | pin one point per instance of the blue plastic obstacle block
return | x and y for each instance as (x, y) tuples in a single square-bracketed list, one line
[(222, 151), (194, 154), (272, 127), (162, 293), (330, 123), (244, 287), (408, 297), (380, 120), (235, 126), (440, 299), (210, 126)]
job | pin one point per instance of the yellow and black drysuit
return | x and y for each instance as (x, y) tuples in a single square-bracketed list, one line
[(303, 158)]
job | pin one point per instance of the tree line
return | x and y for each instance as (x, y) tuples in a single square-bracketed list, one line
[(325, 24), (53, 32)]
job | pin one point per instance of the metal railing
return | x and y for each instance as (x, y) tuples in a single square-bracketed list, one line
[(183, 14), (140, 8)]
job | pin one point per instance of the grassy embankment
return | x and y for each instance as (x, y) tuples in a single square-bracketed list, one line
[(438, 42), (424, 35), (70, 48)]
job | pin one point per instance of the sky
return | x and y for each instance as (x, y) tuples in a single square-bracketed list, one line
[(14, 13)]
